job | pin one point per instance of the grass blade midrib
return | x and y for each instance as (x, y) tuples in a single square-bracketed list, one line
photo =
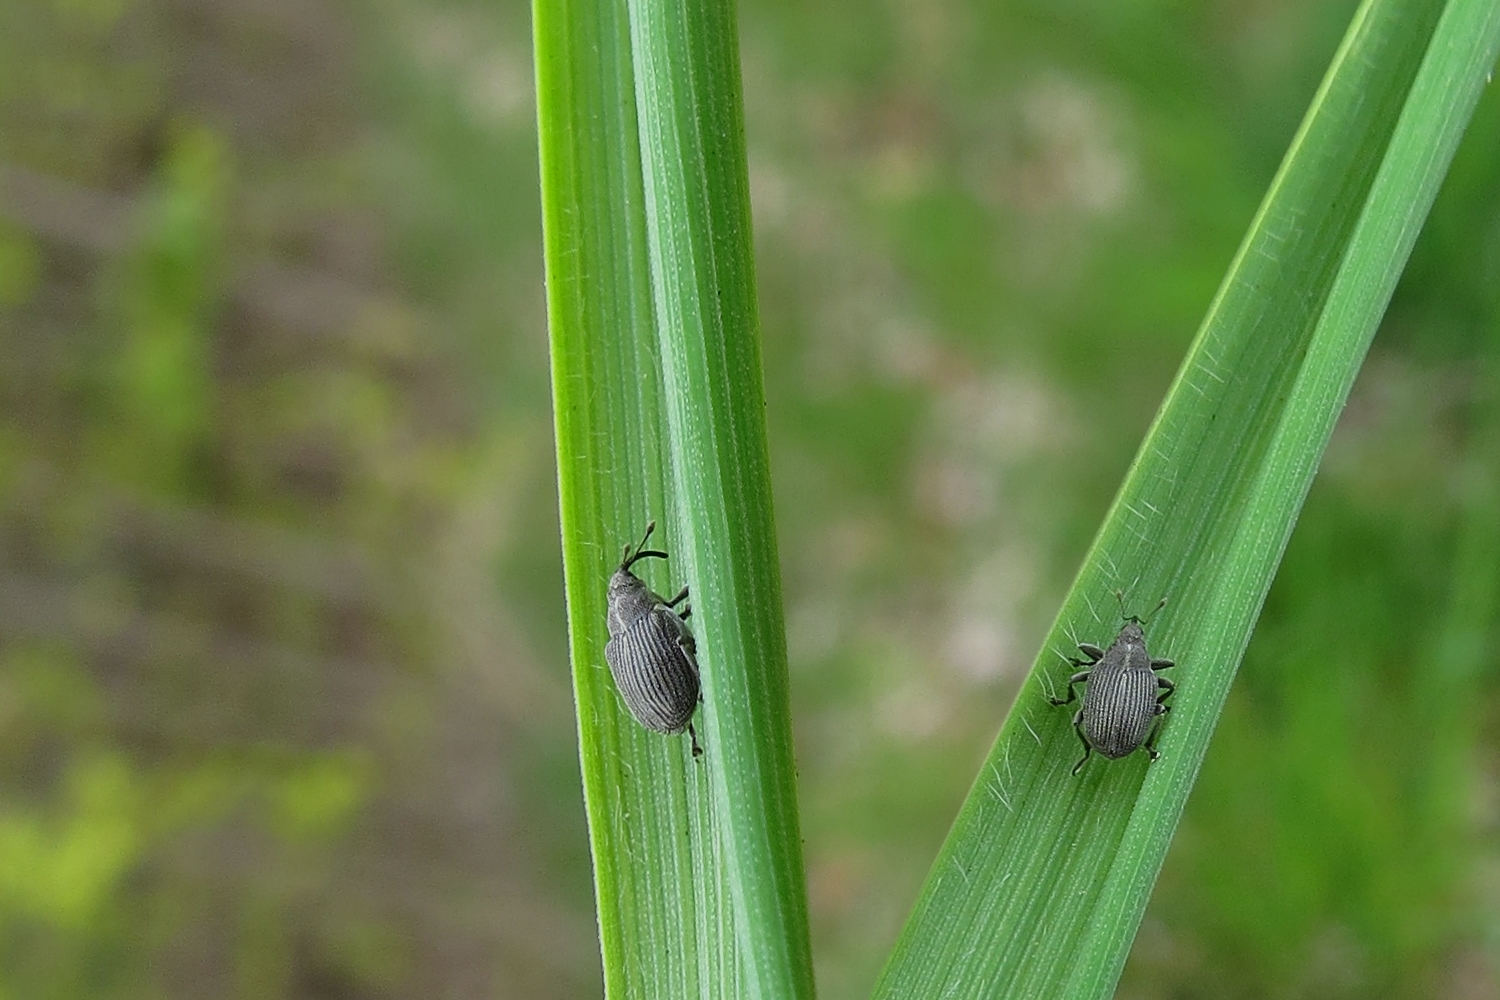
[(698, 230)]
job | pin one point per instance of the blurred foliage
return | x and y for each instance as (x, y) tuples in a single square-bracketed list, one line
[(164, 379), (283, 696), (261, 720)]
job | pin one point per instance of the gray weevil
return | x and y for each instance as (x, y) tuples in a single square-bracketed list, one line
[(1121, 706), (650, 651)]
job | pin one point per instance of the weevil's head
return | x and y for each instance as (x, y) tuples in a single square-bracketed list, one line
[(629, 597), (1132, 633)]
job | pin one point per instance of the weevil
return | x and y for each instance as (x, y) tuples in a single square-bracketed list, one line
[(650, 651), (1125, 698)]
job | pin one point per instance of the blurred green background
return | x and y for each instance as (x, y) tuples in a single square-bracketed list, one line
[(284, 698)]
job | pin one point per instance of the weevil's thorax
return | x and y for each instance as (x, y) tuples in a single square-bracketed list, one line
[(630, 600), (1128, 652)]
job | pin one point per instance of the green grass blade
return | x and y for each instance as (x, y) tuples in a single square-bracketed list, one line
[(698, 871), (1043, 879), (698, 233), (663, 921)]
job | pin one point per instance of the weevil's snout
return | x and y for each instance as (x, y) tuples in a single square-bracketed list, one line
[(623, 582)]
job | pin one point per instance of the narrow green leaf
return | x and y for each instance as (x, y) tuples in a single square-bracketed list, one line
[(698, 869), (1044, 877), (655, 854)]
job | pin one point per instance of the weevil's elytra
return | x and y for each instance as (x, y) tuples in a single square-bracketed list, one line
[(650, 652), (1125, 698)]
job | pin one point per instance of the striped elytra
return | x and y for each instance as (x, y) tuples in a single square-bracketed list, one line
[(1125, 697), (650, 652)]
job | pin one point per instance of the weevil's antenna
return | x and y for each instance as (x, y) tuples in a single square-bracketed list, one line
[(641, 552), (1120, 596)]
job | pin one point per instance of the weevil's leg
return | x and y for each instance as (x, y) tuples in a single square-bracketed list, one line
[(693, 735), (1077, 678), (1159, 664), (1151, 740), (1087, 749), (1093, 652), (681, 596), (1167, 687)]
